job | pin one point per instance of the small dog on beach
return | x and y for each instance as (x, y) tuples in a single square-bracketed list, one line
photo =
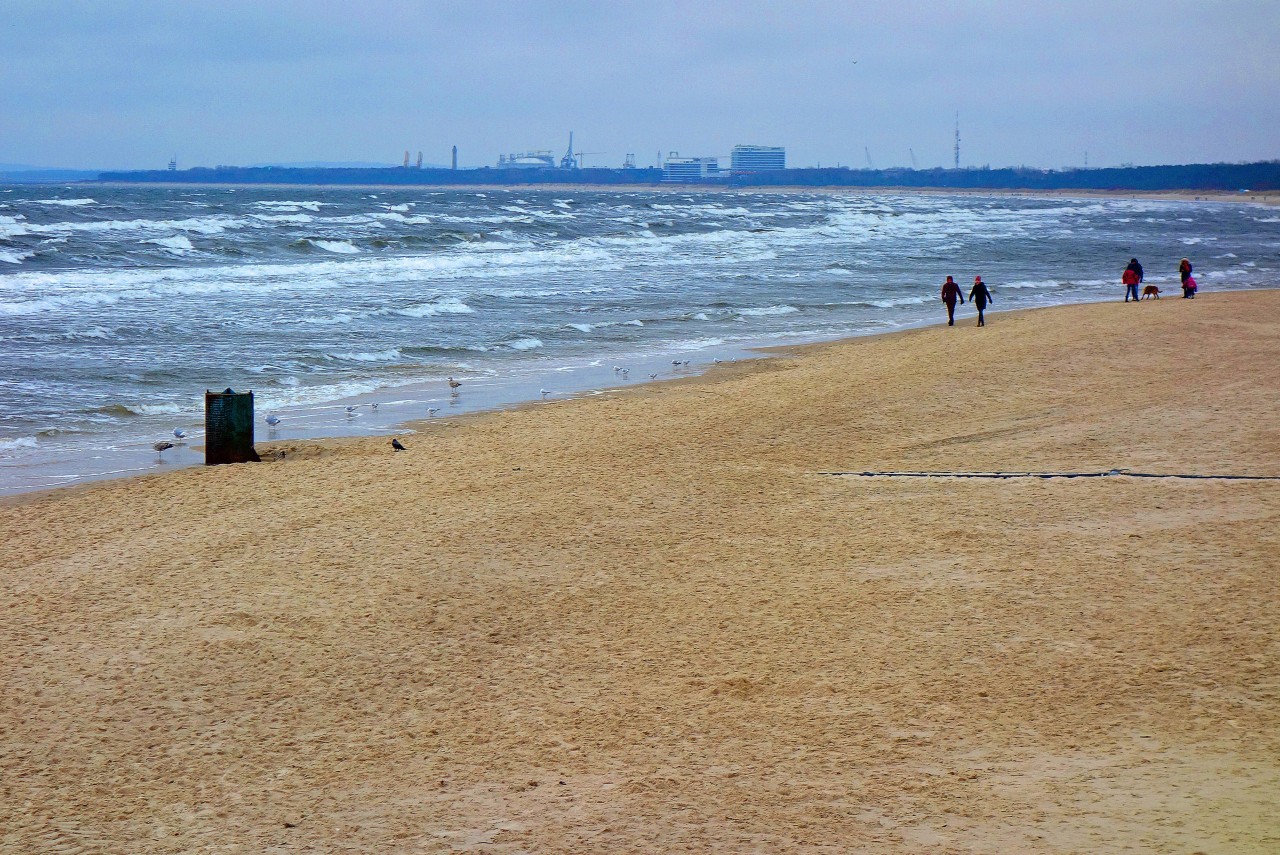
[(1150, 291)]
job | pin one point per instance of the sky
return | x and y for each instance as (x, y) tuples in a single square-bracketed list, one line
[(128, 84)]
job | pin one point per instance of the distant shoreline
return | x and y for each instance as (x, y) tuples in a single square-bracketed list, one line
[(1264, 197)]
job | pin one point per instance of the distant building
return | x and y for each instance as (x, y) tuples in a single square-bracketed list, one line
[(676, 168), (756, 158), (527, 160)]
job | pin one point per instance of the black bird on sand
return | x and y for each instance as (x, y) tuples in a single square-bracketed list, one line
[(397, 445)]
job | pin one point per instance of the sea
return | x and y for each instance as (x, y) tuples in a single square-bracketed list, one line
[(121, 305)]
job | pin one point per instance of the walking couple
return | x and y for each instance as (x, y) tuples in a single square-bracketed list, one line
[(978, 294)]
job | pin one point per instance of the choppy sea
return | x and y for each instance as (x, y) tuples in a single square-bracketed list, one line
[(120, 306)]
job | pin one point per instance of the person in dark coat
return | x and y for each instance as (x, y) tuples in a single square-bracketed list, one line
[(1132, 278), (980, 296), (1184, 273), (950, 293)]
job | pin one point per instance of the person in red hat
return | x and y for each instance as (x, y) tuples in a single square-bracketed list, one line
[(950, 293), (980, 296)]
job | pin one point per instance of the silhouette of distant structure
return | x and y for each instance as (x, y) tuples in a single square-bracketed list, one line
[(754, 158)]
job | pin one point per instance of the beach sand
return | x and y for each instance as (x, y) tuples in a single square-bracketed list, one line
[(646, 622)]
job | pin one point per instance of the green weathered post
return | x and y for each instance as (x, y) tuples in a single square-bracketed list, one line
[(228, 428)]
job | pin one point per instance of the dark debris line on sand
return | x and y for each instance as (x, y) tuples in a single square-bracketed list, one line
[(1110, 473)]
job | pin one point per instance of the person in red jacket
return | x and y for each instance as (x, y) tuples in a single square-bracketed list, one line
[(1131, 278), (950, 293)]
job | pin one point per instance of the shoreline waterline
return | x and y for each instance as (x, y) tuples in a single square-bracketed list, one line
[(400, 410)]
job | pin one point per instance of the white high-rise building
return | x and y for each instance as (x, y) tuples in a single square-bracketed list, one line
[(677, 168), (754, 158)]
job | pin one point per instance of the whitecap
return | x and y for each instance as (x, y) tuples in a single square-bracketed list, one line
[(15, 444), (768, 310), (447, 306), (66, 203), (342, 247), (524, 344), (177, 243), (158, 409), (14, 257), (584, 328), (368, 356)]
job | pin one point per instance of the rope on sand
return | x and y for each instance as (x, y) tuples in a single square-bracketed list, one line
[(1110, 473)]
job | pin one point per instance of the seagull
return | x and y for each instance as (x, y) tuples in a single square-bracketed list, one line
[(454, 384), (617, 368), (273, 420), (626, 371), (395, 443), (719, 361), (544, 392), (351, 411), (431, 411), (373, 406), (653, 376), (179, 433), (161, 447), (675, 362), (686, 362)]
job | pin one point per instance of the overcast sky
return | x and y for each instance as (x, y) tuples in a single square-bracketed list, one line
[(131, 83)]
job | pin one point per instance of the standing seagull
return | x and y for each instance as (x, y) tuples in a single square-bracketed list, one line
[(179, 433), (454, 384), (395, 443), (161, 447), (273, 420)]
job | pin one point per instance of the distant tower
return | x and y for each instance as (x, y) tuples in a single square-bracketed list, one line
[(629, 162), (569, 161), (870, 165), (173, 163), (957, 139), (455, 157), (419, 160), (406, 158), (912, 152)]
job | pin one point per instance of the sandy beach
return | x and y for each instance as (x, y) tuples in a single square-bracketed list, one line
[(651, 621)]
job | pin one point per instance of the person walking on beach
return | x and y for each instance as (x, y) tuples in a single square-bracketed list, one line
[(980, 296), (1132, 278), (950, 293), (1184, 273)]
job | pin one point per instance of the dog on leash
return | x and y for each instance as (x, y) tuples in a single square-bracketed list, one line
[(1150, 291)]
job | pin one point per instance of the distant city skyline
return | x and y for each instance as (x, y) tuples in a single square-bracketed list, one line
[(128, 86)]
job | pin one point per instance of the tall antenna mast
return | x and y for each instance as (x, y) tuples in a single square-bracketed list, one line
[(912, 152), (957, 139)]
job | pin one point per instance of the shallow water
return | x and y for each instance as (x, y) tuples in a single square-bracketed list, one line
[(119, 306)]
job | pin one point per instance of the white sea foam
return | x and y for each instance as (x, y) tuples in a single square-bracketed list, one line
[(343, 247), (10, 445), (14, 257), (284, 218), (66, 203), (390, 355), (524, 344), (289, 206), (766, 311), (159, 409), (901, 301), (177, 243), (583, 328), (446, 306)]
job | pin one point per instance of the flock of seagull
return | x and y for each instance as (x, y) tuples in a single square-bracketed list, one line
[(273, 421)]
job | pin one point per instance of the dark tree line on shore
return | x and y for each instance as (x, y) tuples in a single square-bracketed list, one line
[(1254, 177)]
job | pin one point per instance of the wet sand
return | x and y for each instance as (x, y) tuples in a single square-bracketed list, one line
[(647, 622)]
